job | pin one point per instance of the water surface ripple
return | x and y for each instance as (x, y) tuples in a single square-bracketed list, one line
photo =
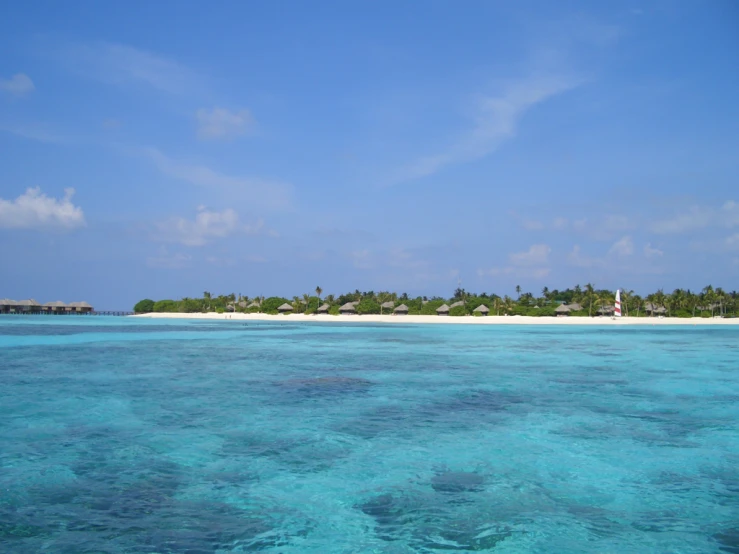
[(120, 435)]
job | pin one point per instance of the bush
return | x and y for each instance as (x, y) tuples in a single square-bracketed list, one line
[(144, 306), (368, 306), (165, 306), (429, 308), (219, 310), (270, 305), (458, 311), (333, 310)]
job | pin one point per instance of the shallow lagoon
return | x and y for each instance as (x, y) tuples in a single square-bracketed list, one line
[(120, 435)]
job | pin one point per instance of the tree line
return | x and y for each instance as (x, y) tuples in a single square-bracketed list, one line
[(708, 302)]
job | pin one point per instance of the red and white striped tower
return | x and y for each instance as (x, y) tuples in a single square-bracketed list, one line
[(617, 312)]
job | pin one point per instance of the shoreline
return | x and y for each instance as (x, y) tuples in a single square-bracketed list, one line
[(435, 320)]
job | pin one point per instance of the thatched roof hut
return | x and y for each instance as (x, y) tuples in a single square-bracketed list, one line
[(401, 310), (348, 308), (387, 305), (285, 308), (253, 305), (562, 310), (56, 306), (458, 303), (606, 310), (482, 309), (442, 310), (323, 309), (574, 307), (80, 306)]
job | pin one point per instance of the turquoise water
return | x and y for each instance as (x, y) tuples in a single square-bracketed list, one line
[(121, 435)]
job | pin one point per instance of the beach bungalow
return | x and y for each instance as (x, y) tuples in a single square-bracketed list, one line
[(574, 307), (56, 307), (285, 308), (606, 310), (401, 310), (482, 309), (387, 306), (348, 309), (80, 307), (323, 309), (442, 310), (562, 310), (653, 309)]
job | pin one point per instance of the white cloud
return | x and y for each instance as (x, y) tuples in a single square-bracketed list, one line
[(165, 260), (206, 226), (578, 259), (220, 123), (651, 252), (34, 210), (259, 193), (531, 263), (119, 64), (700, 217), (496, 121), (537, 254), (622, 248), (18, 85)]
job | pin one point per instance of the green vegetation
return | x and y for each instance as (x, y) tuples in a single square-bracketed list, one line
[(709, 302)]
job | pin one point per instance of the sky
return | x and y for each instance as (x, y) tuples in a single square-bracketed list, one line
[(162, 149)]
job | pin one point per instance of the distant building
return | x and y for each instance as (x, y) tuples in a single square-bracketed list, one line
[(442, 310), (401, 310), (285, 308), (348, 309), (482, 309), (562, 310), (323, 309)]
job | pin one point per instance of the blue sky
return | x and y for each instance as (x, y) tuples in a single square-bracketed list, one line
[(160, 149)]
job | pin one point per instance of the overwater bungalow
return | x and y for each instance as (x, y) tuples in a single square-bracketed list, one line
[(482, 309), (56, 307), (562, 310), (401, 310), (79, 307), (348, 309), (442, 310), (323, 309), (8, 306), (285, 308)]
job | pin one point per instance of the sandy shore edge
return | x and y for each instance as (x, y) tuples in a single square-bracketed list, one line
[(465, 320)]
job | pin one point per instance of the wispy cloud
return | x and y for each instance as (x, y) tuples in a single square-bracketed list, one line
[(120, 64), (222, 124), (165, 260), (205, 227), (19, 84), (496, 120), (651, 252), (258, 193), (699, 217), (622, 247), (533, 262), (35, 210), (38, 133)]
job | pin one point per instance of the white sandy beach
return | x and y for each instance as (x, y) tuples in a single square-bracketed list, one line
[(465, 320)]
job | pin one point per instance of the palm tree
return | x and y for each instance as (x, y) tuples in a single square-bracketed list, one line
[(207, 297), (625, 297), (518, 291), (508, 303), (708, 297), (496, 305), (590, 296), (319, 290)]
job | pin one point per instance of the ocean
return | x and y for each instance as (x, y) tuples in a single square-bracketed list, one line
[(124, 435)]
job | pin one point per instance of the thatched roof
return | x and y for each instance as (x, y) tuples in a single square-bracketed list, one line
[(8, 302), (79, 305), (401, 308), (575, 307), (30, 302), (606, 310), (388, 305), (562, 309), (242, 303), (323, 308), (458, 303), (253, 305), (285, 308), (355, 303), (660, 310), (482, 308), (55, 304), (443, 309), (348, 307)]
